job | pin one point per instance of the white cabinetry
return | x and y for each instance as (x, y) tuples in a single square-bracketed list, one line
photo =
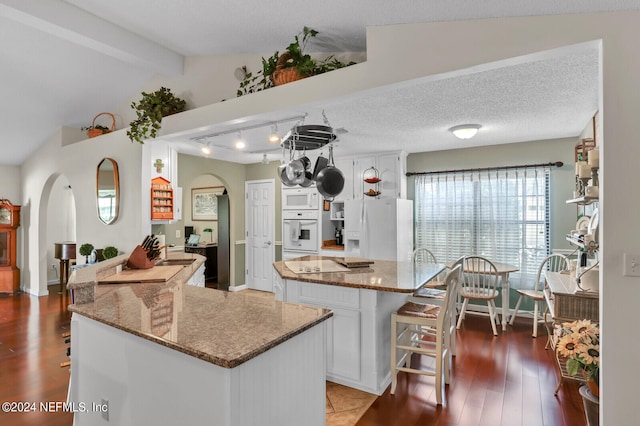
[(358, 334), (391, 168), (197, 279)]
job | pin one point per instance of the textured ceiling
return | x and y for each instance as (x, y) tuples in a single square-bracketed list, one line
[(61, 59)]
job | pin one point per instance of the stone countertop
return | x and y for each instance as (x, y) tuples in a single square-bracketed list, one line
[(224, 328), (383, 275)]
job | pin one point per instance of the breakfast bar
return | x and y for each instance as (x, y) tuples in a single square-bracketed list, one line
[(167, 352), (362, 298)]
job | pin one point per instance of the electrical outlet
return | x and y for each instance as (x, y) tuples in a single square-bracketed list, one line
[(53, 266), (177, 233), (631, 265)]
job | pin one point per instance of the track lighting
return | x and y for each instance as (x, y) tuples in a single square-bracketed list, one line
[(240, 142), (274, 137)]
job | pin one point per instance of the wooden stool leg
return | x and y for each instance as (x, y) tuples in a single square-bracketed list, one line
[(394, 337)]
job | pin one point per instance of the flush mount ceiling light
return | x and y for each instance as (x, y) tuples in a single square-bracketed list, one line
[(465, 131), (206, 149)]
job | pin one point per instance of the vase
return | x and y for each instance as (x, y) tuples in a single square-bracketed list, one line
[(591, 406), (594, 388)]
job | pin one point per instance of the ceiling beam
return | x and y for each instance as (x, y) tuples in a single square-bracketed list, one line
[(73, 24)]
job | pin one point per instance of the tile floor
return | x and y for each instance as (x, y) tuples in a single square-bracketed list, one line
[(345, 405)]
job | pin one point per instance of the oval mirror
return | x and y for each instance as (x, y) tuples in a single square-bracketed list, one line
[(107, 190)]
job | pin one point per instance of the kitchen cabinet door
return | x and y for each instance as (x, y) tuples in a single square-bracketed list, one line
[(343, 344), (392, 172)]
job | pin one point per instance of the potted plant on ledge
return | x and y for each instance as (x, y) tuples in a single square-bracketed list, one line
[(85, 250), (294, 64), (150, 110)]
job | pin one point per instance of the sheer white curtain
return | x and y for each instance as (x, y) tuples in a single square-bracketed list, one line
[(500, 214)]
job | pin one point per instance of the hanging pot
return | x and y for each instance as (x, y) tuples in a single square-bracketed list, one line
[(295, 171), (283, 175), (308, 176), (330, 180), (321, 163)]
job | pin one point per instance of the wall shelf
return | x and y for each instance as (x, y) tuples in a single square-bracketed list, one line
[(583, 200), (161, 199), (578, 240)]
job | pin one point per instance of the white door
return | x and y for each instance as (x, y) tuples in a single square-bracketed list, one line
[(260, 229)]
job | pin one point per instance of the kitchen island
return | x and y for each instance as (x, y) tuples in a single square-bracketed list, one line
[(174, 353), (362, 300)]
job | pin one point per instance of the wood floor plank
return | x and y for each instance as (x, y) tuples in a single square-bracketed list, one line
[(508, 379)]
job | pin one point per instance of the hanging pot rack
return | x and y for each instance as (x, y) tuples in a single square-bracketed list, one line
[(309, 136)]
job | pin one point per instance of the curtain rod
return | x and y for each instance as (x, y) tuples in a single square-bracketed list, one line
[(484, 169)]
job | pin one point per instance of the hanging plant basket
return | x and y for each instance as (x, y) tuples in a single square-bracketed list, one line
[(97, 130)]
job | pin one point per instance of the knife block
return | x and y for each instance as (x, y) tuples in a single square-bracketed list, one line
[(138, 259)]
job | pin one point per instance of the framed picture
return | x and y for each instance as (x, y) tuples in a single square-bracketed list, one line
[(204, 204)]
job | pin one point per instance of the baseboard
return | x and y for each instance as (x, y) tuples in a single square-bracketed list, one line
[(238, 287)]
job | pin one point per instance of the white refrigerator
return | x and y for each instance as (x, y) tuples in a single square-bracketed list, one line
[(379, 228)]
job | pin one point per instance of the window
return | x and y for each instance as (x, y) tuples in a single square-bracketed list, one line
[(500, 214)]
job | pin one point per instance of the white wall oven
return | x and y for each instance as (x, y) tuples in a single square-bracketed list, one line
[(299, 199), (300, 233)]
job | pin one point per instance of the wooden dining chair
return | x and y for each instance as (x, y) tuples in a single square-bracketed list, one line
[(424, 255), (554, 263), (429, 337), (480, 282)]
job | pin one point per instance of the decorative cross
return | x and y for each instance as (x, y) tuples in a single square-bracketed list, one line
[(159, 165)]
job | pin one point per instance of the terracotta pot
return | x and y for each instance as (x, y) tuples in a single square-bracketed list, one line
[(594, 389)]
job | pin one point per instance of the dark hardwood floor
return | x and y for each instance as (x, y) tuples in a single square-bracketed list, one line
[(505, 380), (31, 350)]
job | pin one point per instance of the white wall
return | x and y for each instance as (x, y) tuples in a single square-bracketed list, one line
[(78, 162), (61, 223), (10, 183)]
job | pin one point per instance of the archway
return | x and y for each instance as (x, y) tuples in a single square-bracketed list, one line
[(57, 224), (213, 230)]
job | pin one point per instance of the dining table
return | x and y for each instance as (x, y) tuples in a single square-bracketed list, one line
[(502, 271)]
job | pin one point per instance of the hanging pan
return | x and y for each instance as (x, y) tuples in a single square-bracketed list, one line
[(330, 180)]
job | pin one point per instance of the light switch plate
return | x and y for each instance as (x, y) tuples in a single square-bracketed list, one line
[(177, 233), (631, 265)]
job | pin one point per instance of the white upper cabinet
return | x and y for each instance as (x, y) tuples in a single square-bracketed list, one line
[(390, 166), (345, 165)]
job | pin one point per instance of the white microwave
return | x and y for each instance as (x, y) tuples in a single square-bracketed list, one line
[(300, 199)]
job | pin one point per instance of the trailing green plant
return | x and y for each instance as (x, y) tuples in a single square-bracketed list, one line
[(150, 110), (109, 251), (85, 250), (294, 56)]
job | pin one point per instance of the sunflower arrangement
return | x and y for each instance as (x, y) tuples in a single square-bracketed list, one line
[(579, 342)]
